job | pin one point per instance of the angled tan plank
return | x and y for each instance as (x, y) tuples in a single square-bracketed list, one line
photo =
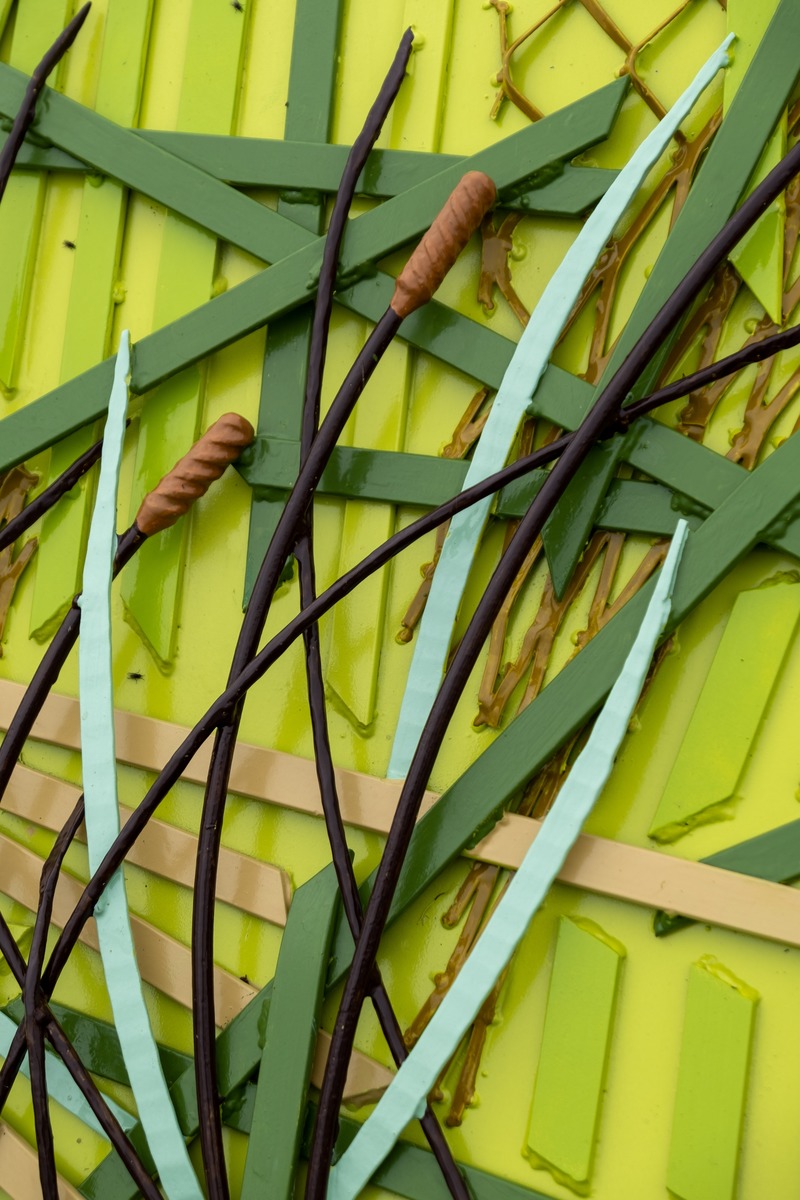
[(245, 882)]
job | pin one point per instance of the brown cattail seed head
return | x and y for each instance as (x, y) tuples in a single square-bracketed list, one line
[(462, 214), (193, 475)]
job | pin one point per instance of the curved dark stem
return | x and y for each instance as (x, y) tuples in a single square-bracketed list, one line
[(598, 422), (34, 1035), (718, 370), (27, 112), (282, 544), (286, 537), (108, 1122)]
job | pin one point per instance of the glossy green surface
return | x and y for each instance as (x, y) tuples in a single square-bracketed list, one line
[(290, 1040)]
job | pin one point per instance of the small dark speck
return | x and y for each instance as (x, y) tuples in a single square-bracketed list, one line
[(235, 4), (69, 245), (244, 979), (135, 675)]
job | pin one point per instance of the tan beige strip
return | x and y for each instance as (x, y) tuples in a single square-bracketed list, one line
[(244, 882), (367, 1079), (646, 877), (163, 961), (166, 964), (19, 1169), (268, 775), (657, 880)]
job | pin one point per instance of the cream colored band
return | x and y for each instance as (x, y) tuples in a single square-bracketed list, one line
[(244, 882), (19, 1169), (646, 877)]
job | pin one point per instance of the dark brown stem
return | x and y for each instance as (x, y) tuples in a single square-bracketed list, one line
[(27, 112)]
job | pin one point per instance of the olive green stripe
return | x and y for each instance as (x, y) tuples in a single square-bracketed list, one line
[(290, 1039), (283, 378), (774, 855), (303, 170), (697, 475), (444, 333), (721, 180), (270, 466)]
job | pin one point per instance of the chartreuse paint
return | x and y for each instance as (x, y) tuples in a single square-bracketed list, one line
[(519, 383), (712, 1084), (576, 1042), (102, 814), (407, 1093), (729, 710)]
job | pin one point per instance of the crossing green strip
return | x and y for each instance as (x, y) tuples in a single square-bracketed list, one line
[(296, 166), (290, 1039), (283, 378), (454, 339), (270, 466)]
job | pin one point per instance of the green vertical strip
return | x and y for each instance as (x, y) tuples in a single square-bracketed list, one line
[(290, 1039), (568, 1095), (283, 382), (712, 1084), (729, 710), (37, 27), (91, 305), (733, 157), (416, 120), (185, 279)]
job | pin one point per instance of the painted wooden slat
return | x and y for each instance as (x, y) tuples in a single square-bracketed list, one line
[(297, 166), (701, 891), (20, 213), (729, 710), (98, 240), (570, 1077), (471, 347), (164, 962), (211, 72), (309, 110), (289, 1039), (712, 1084), (19, 1169), (244, 882), (351, 640)]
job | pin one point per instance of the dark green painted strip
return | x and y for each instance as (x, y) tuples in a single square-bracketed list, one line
[(721, 180), (270, 466), (470, 347), (295, 166), (472, 805), (774, 855), (98, 1045), (567, 530), (290, 1040), (699, 478), (283, 378)]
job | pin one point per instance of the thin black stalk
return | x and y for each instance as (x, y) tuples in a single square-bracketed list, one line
[(282, 544), (304, 554), (33, 1029), (598, 422), (27, 112), (707, 375)]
